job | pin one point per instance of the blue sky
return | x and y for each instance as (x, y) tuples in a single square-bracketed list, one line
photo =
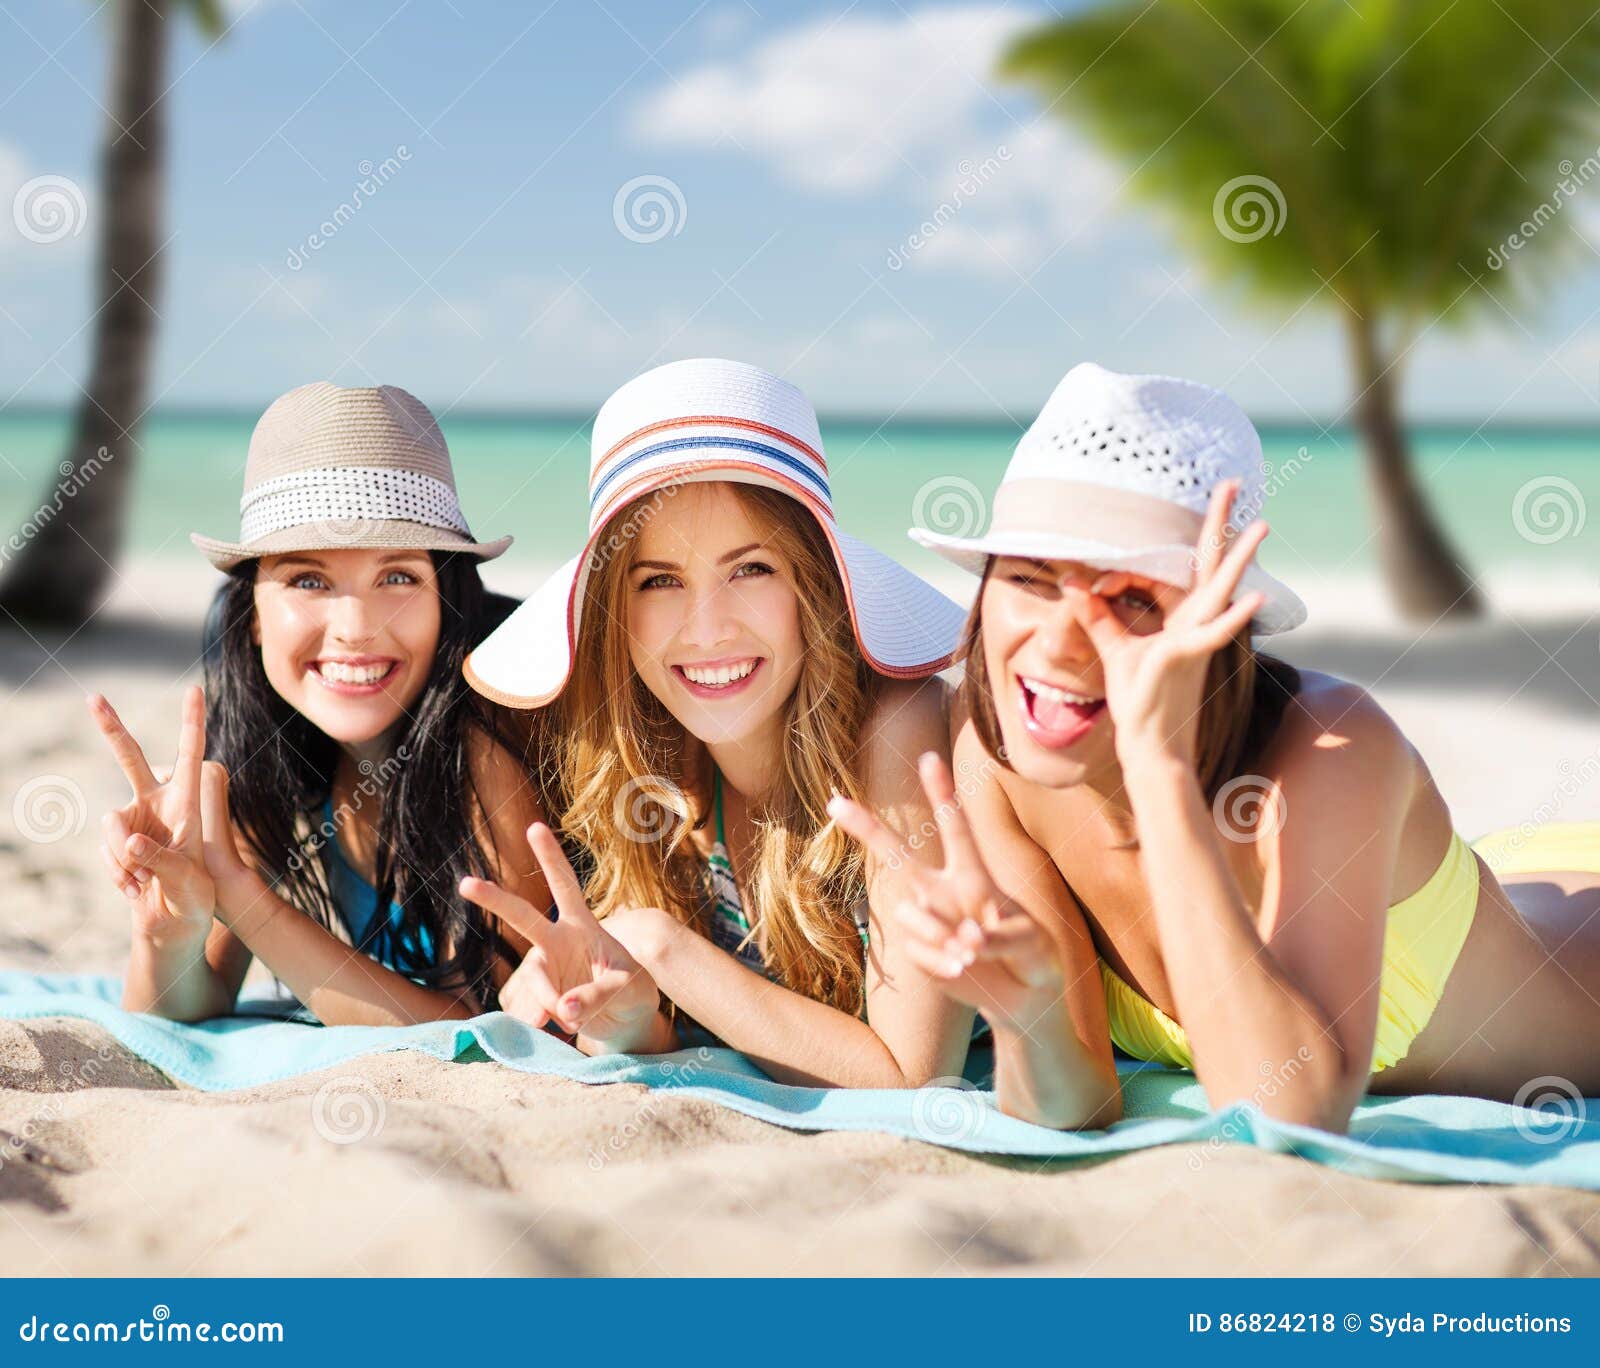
[(794, 149)]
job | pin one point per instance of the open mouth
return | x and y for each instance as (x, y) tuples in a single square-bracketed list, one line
[(364, 675), (1056, 717), (718, 679)]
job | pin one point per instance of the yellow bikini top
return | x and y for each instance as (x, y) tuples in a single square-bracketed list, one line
[(1424, 934)]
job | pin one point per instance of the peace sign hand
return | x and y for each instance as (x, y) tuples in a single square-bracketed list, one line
[(959, 927), (1155, 681), (154, 845), (575, 972)]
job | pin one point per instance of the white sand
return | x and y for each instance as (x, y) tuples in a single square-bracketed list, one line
[(474, 1169)]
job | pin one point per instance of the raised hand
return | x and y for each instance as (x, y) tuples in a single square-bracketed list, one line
[(959, 928), (574, 973), (154, 846), (1155, 680)]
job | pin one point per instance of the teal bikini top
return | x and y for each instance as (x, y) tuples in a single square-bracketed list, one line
[(356, 902)]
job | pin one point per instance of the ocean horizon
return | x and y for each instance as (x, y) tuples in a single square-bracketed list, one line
[(1512, 495)]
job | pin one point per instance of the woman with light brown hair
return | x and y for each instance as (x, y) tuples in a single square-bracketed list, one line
[(1242, 868), (724, 660)]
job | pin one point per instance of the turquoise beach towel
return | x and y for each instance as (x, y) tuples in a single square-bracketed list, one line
[(1415, 1139)]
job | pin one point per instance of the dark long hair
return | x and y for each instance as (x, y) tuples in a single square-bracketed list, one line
[(281, 768)]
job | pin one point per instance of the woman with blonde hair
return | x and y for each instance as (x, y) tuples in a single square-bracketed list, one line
[(725, 660)]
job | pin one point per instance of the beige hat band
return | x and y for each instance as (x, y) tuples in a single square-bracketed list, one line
[(337, 493), (1113, 517)]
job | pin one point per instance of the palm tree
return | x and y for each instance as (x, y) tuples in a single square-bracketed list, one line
[(1375, 159), (63, 572)]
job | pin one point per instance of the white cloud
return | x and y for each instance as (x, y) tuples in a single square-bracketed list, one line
[(902, 106)]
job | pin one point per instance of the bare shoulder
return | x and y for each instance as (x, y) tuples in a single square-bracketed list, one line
[(911, 716), (1336, 735), (500, 777)]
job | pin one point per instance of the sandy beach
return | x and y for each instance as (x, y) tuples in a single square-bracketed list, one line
[(475, 1169)]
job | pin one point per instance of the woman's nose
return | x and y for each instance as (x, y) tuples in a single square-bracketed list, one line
[(352, 620), (1061, 633), (709, 622)]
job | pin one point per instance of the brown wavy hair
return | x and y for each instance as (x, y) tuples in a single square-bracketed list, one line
[(1246, 693), (639, 784)]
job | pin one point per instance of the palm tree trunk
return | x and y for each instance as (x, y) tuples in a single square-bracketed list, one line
[(1422, 569), (70, 546)]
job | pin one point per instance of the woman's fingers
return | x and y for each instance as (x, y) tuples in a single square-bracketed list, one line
[(955, 832), (1220, 630), (130, 758), (1213, 596), (581, 1005), (529, 994), (1214, 531), (861, 825), (191, 754), (563, 883), (174, 868), (921, 921), (119, 876), (517, 913)]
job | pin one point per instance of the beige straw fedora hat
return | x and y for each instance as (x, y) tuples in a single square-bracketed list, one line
[(330, 468), (1117, 472)]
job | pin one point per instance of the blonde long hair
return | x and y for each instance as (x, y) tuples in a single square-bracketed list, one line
[(639, 783)]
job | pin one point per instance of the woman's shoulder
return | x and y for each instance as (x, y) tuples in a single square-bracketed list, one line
[(908, 717), (1334, 732)]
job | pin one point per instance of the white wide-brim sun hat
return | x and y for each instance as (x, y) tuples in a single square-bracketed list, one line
[(1117, 472), (711, 420)]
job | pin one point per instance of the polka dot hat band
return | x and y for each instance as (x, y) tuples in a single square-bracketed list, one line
[(330, 468)]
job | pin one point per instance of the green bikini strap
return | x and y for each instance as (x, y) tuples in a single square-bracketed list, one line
[(716, 799)]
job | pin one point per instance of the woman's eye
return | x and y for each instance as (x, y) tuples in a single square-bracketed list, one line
[(400, 577), (752, 568), (661, 581), (308, 581)]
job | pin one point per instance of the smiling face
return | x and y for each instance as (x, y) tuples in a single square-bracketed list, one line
[(1043, 670), (348, 637), (713, 615)]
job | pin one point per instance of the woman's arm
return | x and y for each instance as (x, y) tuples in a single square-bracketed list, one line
[(340, 984), (1280, 1004), (1053, 1060)]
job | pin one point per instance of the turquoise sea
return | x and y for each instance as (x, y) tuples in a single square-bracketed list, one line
[(525, 474)]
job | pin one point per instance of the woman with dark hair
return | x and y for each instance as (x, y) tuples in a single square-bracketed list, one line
[(1183, 847), (354, 779)]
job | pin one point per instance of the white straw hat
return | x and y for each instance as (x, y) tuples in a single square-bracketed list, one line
[(331, 467), (1117, 472), (694, 421)]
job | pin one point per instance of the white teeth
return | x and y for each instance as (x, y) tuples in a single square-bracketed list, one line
[(339, 673), (721, 675), (1056, 695)]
